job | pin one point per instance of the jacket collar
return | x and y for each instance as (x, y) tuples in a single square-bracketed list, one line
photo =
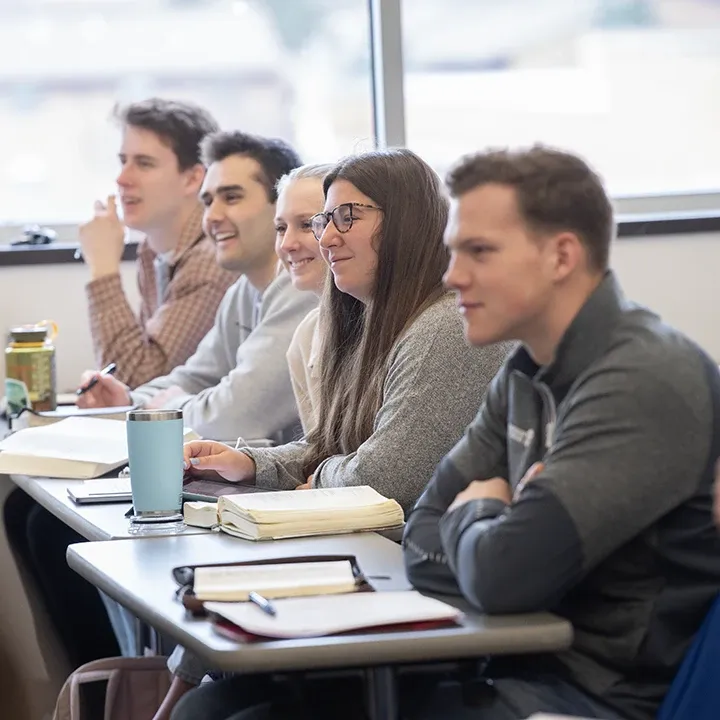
[(191, 233), (586, 339)]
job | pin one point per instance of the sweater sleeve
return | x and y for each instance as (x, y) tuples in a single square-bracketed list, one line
[(626, 456), (205, 367), (253, 397)]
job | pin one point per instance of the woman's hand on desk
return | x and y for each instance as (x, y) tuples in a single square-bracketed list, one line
[(108, 392), (207, 458)]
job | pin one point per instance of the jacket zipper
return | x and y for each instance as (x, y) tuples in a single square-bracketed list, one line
[(549, 402)]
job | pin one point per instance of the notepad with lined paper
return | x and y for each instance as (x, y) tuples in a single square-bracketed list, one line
[(277, 580), (298, 513)]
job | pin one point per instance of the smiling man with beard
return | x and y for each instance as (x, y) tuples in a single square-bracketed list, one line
[(237, 383), (180, 285)]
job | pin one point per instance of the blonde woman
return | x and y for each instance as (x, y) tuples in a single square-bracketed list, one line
[(300, 196)]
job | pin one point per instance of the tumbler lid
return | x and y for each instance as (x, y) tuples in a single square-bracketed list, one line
[(148, 415)]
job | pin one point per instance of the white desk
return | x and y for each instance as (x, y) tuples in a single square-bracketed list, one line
[(105, 521), (138, 576)]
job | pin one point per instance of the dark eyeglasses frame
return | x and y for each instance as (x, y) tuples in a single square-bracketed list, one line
[(330, 215)]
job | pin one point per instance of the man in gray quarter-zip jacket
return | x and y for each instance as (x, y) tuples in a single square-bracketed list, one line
[(584, 485)]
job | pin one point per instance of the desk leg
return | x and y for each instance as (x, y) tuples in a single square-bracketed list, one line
[(381, 693), (140, 636)]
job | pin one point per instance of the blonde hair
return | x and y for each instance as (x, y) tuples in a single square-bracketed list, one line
[(304, 172)]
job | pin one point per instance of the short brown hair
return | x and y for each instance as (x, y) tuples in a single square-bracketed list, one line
[(556, 191), (182, 125), (275, 157)]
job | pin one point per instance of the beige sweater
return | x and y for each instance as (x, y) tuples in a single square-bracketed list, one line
[(302, 358)]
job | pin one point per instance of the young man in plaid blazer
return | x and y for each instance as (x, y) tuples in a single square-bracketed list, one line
[(180, 283)]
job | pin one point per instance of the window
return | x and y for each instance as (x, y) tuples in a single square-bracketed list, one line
[(274, 67), (632, 85)]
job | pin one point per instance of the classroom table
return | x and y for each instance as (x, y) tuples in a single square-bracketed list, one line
[(104, 521), (138, 576)]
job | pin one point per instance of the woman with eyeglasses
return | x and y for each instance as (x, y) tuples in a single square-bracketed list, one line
[(398, 379), (398, 383)]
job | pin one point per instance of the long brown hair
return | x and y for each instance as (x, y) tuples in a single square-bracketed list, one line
[(358, 338)]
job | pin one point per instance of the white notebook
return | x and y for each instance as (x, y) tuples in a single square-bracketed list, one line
[(101, 490), (295, 513), (274, 580), (331, 614)]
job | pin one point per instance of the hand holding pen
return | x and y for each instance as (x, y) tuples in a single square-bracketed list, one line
[(107, 370)]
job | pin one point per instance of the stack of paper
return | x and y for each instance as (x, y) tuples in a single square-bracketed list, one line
[(332, 614), (297, 513), (275, 580)]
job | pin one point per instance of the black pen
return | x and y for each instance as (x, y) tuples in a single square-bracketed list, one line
[(108, 370), (263, 603)]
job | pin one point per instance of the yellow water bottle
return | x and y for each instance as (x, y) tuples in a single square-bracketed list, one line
[(30, 375)]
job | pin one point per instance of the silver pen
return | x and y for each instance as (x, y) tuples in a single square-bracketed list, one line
[(263, 603)]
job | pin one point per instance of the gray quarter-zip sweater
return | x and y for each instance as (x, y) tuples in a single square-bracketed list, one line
[(616, 533)]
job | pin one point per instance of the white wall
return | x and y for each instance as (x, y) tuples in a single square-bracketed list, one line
[(31, 293), (675, 275)]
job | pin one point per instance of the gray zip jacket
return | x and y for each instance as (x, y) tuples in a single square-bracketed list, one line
[(434, 384), (237, 383), (616, 533)]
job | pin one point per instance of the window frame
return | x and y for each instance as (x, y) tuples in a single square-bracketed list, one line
[(639, 215)]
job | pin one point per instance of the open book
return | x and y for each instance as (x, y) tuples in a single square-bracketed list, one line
[(297, 513), (77, 447), (332, 614), (48, 417), (277, 580)]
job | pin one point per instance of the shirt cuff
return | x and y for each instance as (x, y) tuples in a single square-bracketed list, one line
[(266, 474)]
